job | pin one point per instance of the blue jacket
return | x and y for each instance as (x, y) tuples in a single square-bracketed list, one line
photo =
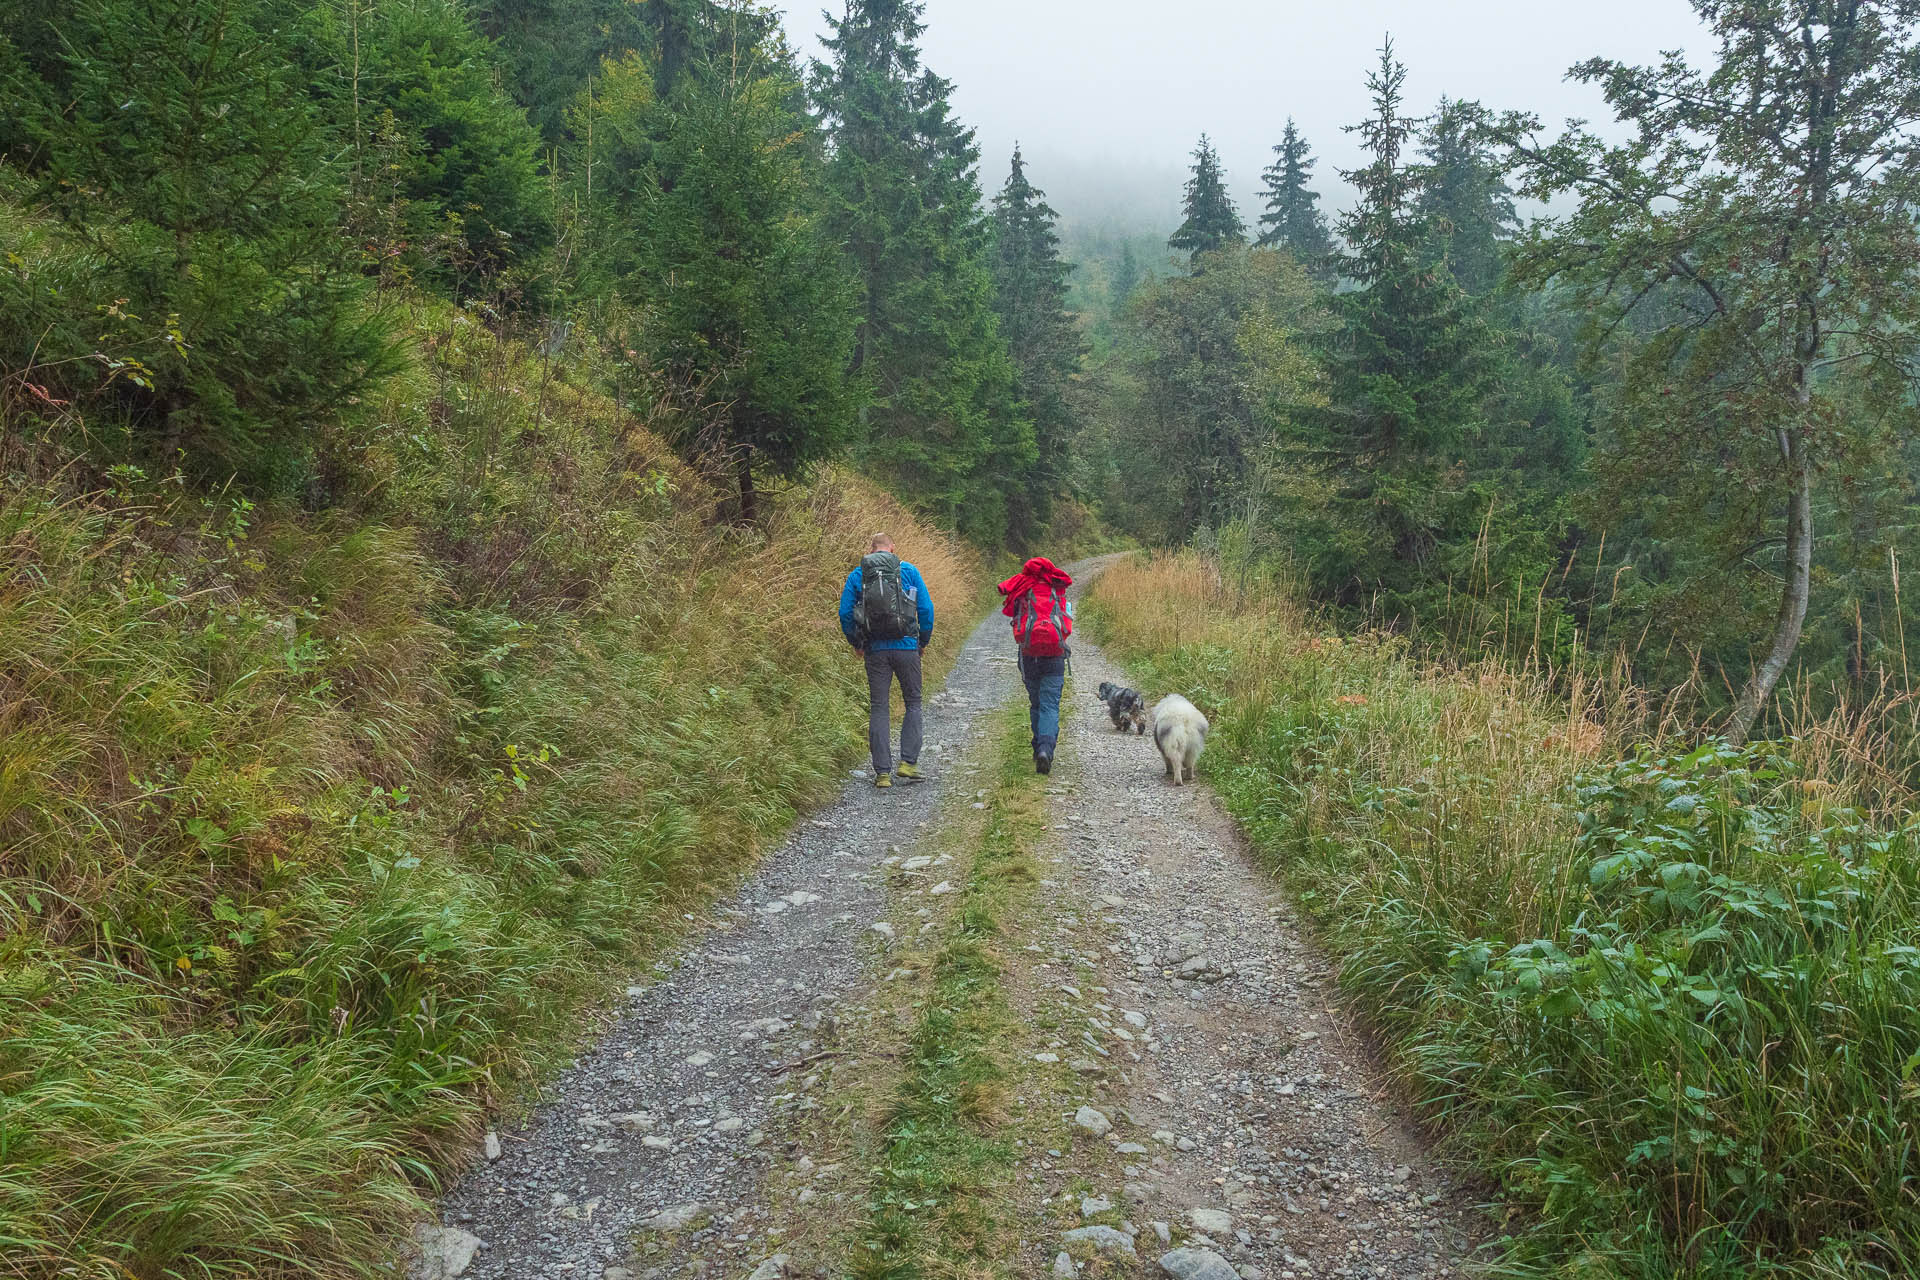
[(916, 589)]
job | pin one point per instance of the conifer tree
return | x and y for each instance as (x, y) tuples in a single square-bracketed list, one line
[(750, 307), (425, 70), (1407, 373), (194, 180), (1464, 198), (1293, 220), (1212, 222), (1030, 295), (904, 200), (1126, 278)]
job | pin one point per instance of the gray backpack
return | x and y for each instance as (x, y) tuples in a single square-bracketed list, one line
[(884, 611)]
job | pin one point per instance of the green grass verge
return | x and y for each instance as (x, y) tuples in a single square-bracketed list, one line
[(1668, 998), (934, 1202)]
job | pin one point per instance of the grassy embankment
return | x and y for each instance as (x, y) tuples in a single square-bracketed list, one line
[(1669, 996), (318, 830)]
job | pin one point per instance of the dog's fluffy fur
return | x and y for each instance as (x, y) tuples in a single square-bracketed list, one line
[(1126, 706), (1180, 731)]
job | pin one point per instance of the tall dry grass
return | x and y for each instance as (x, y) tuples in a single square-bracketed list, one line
[(1665, 993)]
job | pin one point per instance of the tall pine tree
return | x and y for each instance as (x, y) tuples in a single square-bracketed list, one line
[(1030, 295), (1465, 198), (1293, 220), (1212, 222), (1407, 373), (905, 201)]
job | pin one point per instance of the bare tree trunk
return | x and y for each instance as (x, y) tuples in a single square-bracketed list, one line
[(749, 495), (1793, 594)]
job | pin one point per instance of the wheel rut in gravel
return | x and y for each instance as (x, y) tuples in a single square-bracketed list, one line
[(731, 1121)]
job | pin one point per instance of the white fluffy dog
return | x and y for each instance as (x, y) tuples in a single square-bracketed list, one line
[(1180, 731)]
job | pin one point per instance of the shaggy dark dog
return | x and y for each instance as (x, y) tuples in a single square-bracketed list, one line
[(1126, 706)]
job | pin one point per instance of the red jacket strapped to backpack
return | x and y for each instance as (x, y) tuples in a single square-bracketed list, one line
[(1037, 603)]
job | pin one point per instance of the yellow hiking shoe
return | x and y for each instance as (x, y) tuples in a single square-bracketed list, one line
[(909, 773), (883, 780)]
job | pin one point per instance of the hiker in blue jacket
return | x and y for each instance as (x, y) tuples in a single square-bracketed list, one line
[(887, 615)]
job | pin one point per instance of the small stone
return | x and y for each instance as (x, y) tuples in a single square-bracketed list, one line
[(1085, 1066), (1197, 1264), (657, 1142), (445, 1252), (944, 887), (1214, 1222), (915, 863), (1164, 1232), (732, 1124), (1131, 1149), (1403, 1173), (1094, 1206), (1105, 1239), (700, 1059), (1046, 1057), (882, 928), (774, 1268), (1093, 1121), (634, 1121), (1164, 1136), (1138, 1021), (1250, 1272), (678, 1218), (1063, 1265), (490, 1146), (616, 1273)]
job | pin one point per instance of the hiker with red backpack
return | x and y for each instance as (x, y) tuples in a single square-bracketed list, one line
[(1042, 621), (886, 614)]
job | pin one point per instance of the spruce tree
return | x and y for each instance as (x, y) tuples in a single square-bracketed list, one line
[(1212, 222), (469, 159), (1407, 372), (904, 200), (1030, 295), (1464, 197), (1293, 220), (749, 306), (1126, 278), (194, 180)]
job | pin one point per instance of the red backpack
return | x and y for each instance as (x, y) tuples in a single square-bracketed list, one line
[(1042, 625)]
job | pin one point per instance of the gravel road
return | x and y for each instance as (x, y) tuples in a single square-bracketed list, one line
[(1234, 1085)]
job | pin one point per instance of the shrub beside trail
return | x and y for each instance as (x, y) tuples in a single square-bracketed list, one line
[(318, 828), (1667, 995)]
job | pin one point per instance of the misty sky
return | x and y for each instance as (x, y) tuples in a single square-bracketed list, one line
[(1108, 96)]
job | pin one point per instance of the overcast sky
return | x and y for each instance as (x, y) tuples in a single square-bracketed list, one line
[(1108, 96)]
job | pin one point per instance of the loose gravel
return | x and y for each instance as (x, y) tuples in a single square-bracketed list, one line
[(1221, 1109)]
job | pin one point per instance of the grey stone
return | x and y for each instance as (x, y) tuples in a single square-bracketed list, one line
[(1214, 1222), (774, 1268), (677, 1218), (1105, 1239), (1164, 1232), (444, 1252), (1063, 1266), (1197, 1264), (1093, 1121), (490, 1146), (1094, 1206)]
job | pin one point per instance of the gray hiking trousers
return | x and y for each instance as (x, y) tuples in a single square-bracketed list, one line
[(883, 665)]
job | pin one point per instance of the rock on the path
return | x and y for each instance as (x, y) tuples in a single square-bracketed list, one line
[(1093, 1121), (1197, 1264), (700, 1059), (1094, 1206), (1063, 1266), (678, 1218), (882, 928), (445, 1252), (774, 1268), (490, 1146), (1164, 1231), (1105, 1239), (1214, 1222)]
